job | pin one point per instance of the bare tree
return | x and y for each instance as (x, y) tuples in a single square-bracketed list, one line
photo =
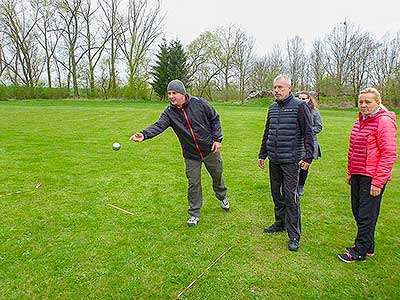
[(2, 57), (224, 52), (259, 73), (317, 65), (202, 65), (197, 55), (69, 12), (277, 63), (361, 64), (112, 25), (296, 61), (21, 55), (141, 28), (265, 69), (49, 34), (341, 46), (243, 59), (386, 61), (94, 45)]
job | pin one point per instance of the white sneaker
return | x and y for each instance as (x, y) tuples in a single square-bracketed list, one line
[(193, 221), (225, 204)]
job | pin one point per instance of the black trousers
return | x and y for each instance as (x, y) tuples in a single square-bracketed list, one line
[(284, 181), (365, 210), (303, 177)]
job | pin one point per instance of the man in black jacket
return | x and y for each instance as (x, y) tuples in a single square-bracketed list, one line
[(198, 128), (288, 144)]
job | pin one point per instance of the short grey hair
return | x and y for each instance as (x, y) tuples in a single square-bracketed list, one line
[(284, 77)]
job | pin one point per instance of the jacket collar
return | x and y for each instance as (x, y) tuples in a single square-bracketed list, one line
[(184, 105), (372, 116), (285, 101)]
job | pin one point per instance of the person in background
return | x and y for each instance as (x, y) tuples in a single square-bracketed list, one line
[(288, 143), (198, 128), (316, 129), (371, 156)]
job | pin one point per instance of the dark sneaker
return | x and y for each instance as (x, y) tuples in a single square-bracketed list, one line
[(225, 204), (301, 190), (369, 253), (294, 245), (193, 221), (350, 256), (349, 249), (273, 228)]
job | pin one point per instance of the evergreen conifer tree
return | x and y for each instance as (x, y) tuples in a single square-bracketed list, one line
[(177, 66), (160, 71), (170, 64)]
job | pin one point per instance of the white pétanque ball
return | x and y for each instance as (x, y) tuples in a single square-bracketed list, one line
[(116, 146)]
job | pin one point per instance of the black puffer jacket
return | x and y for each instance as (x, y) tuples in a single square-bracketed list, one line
[(288, 132), (196, 124)]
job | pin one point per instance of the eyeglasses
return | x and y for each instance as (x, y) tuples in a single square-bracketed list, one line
[(303, 99)]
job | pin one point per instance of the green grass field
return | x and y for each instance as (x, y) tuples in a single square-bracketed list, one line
[(64, 241)]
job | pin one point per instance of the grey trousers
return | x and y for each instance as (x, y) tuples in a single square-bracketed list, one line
[(214, 166)]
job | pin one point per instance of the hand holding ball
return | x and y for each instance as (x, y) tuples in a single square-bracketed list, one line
[(116, 146)]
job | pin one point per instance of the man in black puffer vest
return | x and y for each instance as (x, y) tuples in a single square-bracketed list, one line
[(198, 128), (288, 144)]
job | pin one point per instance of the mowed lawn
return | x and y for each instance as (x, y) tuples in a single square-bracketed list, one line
[(65, 241)]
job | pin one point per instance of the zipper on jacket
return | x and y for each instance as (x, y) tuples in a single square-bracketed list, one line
[(277, 130), (192, 133)]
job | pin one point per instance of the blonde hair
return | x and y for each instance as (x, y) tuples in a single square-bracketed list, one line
[(373, 91)]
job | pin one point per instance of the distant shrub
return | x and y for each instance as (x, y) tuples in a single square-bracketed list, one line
[(18, 92), (142, 92), (336, 101)]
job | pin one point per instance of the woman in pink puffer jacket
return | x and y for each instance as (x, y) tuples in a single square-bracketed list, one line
[(372, 154)]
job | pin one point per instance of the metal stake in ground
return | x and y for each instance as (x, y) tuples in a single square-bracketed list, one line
[(205, 271), (37, 185)]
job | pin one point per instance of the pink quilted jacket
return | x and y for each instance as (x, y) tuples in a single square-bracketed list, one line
[(373, 147)]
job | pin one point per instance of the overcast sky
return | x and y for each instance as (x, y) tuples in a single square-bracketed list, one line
[(273, 22)]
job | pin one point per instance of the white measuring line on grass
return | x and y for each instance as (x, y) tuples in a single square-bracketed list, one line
[(198, 276), (205, 271), (121, 209), (37, 185)]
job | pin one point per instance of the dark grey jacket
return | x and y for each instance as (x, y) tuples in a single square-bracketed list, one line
[(196, 125), (288, 132), (316, 128)]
